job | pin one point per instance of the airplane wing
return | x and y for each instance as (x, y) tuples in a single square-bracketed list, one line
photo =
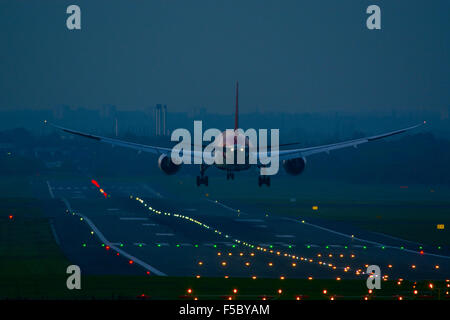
[(127, 144), (304, 152)]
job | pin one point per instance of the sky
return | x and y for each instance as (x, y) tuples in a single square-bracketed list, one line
[(288, 55)]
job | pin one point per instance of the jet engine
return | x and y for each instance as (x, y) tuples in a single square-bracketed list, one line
[(167, 166), (294, 166)]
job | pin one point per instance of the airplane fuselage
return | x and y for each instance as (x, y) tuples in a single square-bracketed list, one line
[(234, 146)]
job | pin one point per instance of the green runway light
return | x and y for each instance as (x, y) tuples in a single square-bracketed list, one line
[(439, 248), (326, 247), (158, 245), (382, 248), (121, 244), (402, 247), (215, 246), (290, 247), (420, 247), (308, 246), (196, 245), (364, 247), (234, 246), (140, 245), (103, 244), (178, 245), (346, 247), (84, 244), (271, 246)]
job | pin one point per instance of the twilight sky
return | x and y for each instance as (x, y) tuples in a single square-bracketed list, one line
[(288, 55)]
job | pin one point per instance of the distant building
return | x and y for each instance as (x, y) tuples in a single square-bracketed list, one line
[(108, 111), (161, 120), (60, 112)]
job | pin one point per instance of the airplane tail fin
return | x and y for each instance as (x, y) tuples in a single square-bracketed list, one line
[(236, 115)]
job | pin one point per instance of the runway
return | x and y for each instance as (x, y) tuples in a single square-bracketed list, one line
[(137, 228)]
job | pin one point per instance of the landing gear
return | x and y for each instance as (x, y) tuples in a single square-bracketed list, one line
[(264, 180), (202, 179), (230, 175)]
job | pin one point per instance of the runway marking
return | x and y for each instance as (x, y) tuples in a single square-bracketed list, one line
[(284, 236), (208, 244), (157, 194), (78, 197), (260, 226), (113, 209), (395, 238), (149, 224), (228, 244), (133, 219), (164, 244), (50, 190), (112, 246), (248, 220), (54, 233), (164, 234), (282, 244), (139, 244), (222, 205)]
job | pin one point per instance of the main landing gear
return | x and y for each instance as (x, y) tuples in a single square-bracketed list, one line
[(230, 176), (264, 180), (202, 179)]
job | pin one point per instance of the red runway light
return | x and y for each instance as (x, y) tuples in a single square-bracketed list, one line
[(131, 262), (95, 183), (11, 217)]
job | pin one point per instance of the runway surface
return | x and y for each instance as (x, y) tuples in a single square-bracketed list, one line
[(141, 229)]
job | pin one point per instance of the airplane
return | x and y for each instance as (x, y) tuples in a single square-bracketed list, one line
[(293, 160)]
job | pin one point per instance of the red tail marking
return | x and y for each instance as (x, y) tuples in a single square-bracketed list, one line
[(236, 115)]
